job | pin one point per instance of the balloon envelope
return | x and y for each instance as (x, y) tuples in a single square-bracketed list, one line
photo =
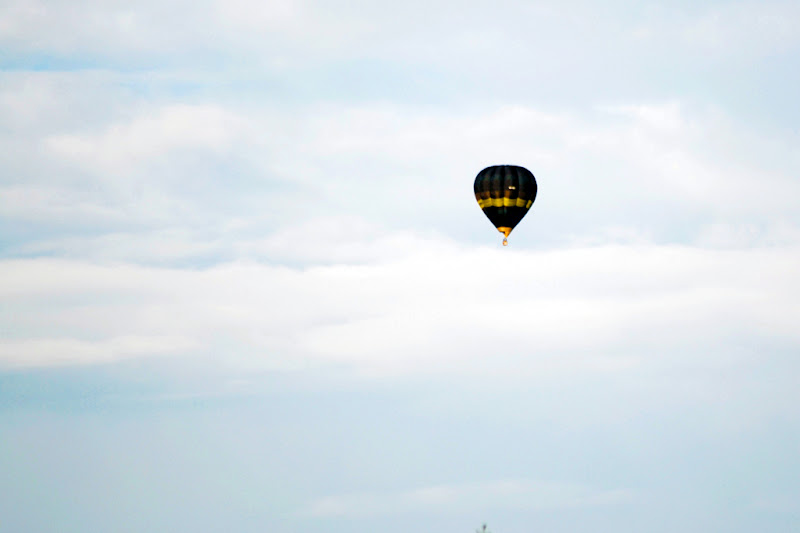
[(505, 193)]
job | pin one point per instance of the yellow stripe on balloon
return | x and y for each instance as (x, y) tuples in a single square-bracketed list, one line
[(505, 202)]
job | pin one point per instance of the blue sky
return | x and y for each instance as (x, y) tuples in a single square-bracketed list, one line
[(245, 284)]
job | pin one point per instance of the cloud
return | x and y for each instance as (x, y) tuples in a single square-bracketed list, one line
[(434, 307), (176, 127), (502, 494), (230, 182), (56, 352)]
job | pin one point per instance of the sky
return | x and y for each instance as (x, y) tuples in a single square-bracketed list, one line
[(245, 285)]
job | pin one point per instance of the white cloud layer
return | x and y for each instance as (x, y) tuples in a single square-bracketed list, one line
[(433, 307), (174, 128), (53, 352), (160, 183)]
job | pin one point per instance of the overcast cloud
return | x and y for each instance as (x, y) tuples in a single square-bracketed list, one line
[(245, 285)]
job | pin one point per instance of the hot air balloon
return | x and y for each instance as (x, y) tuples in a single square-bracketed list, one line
[(505, 193)]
